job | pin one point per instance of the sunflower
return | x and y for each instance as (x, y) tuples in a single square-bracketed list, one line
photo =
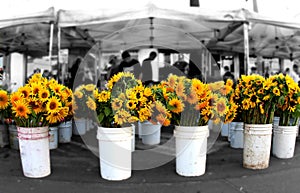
[(192, 98), (14, 97), (53, 105), (276, 91), (180, 90), (4, 99), (25, 91), (116, 104), (121, 116), (44, 94), (103, 96), (21, 109), (90, 87), (144, 114), (246, 104), (221, 107), (176, 105), (59, 116), (78, 94), (35, 88), (131, 104), (147, 92), (91, 104), (133, 119), (36, 106)]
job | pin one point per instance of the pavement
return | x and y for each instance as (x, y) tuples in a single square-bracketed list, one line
[(75, 169)]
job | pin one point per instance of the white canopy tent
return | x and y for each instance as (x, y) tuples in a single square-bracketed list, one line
[(28, 33)]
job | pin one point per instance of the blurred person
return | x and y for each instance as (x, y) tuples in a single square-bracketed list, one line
[(147, 72), (181, 64)]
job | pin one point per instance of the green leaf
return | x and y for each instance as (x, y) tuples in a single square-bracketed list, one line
[(281, 100), (107, 111), (100, 117)]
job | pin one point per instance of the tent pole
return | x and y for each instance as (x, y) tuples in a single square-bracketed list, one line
[(246, 47), (51, 42), (59, 73)]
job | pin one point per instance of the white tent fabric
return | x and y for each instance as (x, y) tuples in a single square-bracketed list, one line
[(27, 33), (217, 30), (147, 26), (267, 37)]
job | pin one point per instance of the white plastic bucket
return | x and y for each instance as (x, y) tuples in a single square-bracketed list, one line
[(284, 141), (225, 130), (150, 133), (115, 148), (65, 132), (34, 151), (53, 137), (230, 129), (191, 148), (276, 122), (80, 126), (237, 136), (139, 130), (13, 137), (3, 135), (133, 138), (257, 145)]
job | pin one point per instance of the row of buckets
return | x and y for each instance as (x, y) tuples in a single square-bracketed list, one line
[(283, 137), (58, 134)]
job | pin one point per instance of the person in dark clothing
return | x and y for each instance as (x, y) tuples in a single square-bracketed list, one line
[(181, 64), (126, 62), (194, 71), (147, 69), (73, 70)]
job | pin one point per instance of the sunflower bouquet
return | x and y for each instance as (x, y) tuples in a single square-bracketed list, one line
[(124, 102), (5, 106), (257, 98), (84, 104), (223, 106), (288, 106), (188, 100), (40, 102)]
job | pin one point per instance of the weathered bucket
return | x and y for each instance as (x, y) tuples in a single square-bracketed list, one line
[(3, 135), (191, 148), (115, 148), (276, 122), (257, 146), (230, 129), (13, 137), (225, 130), (53, 137), (34, 151), (65, 132), (80, 126), (150, 133), (237, 136), (284, 141), (133, 138)]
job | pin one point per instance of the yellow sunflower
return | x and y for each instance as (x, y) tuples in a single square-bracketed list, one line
[(4, 99), (131, 104), (121, 117), (90, 87), (221, 107), (14, 97), (91, 104), (59, 116), (53, 105), (276, 91), (44, 94), (177, 105), (116, 104), (25, 91), (21, 109), (144, 114), (103, 96), (78, 94)]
